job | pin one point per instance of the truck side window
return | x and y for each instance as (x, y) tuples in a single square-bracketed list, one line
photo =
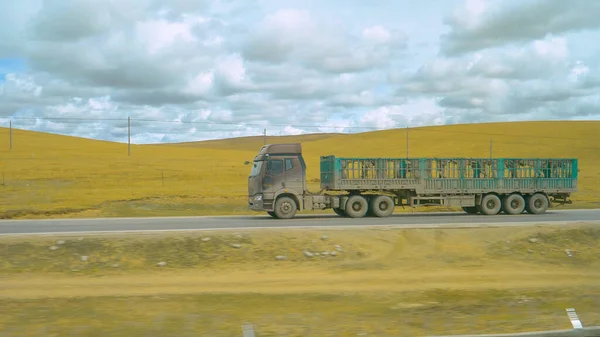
[(288, 164), (275, 167)]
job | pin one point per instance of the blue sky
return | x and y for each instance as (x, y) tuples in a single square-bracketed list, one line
[(11, 65), (187, 70)]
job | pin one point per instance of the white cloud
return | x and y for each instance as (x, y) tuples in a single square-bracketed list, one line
[(295, 35), (380, 118), (478, 24), (469, 16), (100, 107), (200, 84), (290, 130), (578, 70), (160, 34), (231, 68), (554, 48), (20, 84), (415, 112), (377, 34)]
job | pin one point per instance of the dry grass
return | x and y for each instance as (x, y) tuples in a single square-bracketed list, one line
[(49, 175), (381, 282)]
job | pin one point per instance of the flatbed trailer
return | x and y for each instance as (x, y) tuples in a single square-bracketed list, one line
[(358, 187)]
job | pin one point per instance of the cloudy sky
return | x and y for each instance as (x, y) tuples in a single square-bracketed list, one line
[(196, 69)]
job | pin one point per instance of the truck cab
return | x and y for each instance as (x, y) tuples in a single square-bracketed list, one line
[(277, 180)]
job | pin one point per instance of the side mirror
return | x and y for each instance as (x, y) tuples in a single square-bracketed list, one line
[(246, 162)]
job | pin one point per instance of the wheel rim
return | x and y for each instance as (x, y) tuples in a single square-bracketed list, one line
[(490, 204), (383, 206), (356, 206), (538, 203), (286, 207), (515, 204)]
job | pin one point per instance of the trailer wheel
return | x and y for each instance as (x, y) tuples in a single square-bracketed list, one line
[(490, 204), (382, 206), (537, 204), (339, 211), (285, 208), (470, 209), (357, 206), (513, 204)]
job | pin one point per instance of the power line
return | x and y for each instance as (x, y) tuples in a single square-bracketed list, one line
[(497, 144), (492, 134), (78, 120), (262, 125), (71, 118)]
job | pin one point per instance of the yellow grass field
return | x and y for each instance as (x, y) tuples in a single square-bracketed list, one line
[(359, 282), (47, 175)]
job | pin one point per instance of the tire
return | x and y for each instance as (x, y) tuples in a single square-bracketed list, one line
[(285, 208), (537, 204), (357, 206), (382, 206), (513, 204), (339, 212), (490, 205), (471, 209)]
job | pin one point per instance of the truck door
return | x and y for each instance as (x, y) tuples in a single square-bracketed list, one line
[(294, 175), (274, 177)]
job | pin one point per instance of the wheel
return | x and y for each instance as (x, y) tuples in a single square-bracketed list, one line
[(513, 204), (339, 211), (490, 204), (382, 206), (285, 208), (272, 214), (471, 209), (537, 204), (357, 206)]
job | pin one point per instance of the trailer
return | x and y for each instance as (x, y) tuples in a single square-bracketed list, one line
[(359, 187)]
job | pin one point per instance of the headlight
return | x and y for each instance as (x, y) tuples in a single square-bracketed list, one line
[(258, 197)]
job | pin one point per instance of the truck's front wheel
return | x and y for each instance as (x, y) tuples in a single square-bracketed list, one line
[(339, 211), (285, 208), (470, 209)]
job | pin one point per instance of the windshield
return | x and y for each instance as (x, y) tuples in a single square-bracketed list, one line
[(256, 168)]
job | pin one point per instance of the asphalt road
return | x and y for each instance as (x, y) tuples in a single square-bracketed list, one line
[(420, 220)]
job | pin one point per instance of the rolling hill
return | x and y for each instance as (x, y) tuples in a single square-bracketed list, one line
[(53, 175)]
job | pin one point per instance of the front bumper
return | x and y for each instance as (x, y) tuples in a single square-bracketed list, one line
[(255, 203)]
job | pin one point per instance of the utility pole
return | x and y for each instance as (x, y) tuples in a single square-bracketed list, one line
[(407, 142), (265, 137), (128, 136), (10, 135)]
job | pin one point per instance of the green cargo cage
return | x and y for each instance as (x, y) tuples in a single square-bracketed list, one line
[(449, 175)]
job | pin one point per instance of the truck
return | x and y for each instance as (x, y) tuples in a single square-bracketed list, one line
[(359, 187)]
